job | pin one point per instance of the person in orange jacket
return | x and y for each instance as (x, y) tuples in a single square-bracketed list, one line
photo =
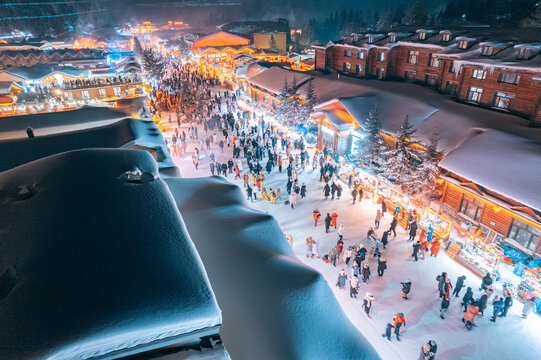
[(317, 216), (469, 316), (258, 184), (237, 172), (399, 320), (334, 217), (246, 180), (279, 163), (435, 248)]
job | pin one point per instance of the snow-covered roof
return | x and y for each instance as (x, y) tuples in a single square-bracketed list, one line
[(292, 311), (427, 109), (125, 133), (41, 71), (273, 79), (506, 164), (100, 266), (14, 127)]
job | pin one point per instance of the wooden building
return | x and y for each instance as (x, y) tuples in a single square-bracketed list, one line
[(489, 181)]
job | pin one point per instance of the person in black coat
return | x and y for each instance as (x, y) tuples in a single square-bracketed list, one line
[(326, 191), (382, 265), (388, 331), (354, 195), (393, 226), (360, 194), (482, 303), (303, 190), (288, 186), (487, 280), (413, 230), (467, 298), (366, 273), (459, 285), (333, 190), (338, 191), (328, 220), (441, 280), (383, 207), (385, 238), (416, 248)]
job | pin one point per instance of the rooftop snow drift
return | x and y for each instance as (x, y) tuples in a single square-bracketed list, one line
[(99, 267), (274, 307)]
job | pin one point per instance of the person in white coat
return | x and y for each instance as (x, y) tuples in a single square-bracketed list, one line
[(309, 247), (292, 200), (341, 231), (315, 248), (354, 283)]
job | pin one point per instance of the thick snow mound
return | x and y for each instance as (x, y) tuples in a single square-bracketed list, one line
[(98, 265), (274, 307), (128, 133), (14, 127)]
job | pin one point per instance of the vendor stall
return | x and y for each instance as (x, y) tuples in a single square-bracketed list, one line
[(530, 285)]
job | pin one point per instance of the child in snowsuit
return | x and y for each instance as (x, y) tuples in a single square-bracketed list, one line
[(406, 287), (388, 331)]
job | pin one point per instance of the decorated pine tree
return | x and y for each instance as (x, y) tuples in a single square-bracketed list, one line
[(371, 142), (282, 106), (399, 167)]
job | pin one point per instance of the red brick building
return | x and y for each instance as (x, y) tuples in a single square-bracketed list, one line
[(466, 64)]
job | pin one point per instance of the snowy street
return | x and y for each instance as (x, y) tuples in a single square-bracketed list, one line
[(510, 337)]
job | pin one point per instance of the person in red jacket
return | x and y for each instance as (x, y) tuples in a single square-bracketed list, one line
[(245, 180), (435, 248), (399, 321), (317, 215)]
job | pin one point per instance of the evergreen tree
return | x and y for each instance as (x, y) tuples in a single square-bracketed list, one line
[(309, 102), (399, 166), (425, 176), (272, 42), (371, 143), (384, 22), (153, 63)]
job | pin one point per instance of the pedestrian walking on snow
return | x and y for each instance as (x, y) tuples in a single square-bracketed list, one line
[(388, 331), (399, 321), (441, 280), (342, 277), (428, 351), (341, 231), (378, 219), (326, 191), (309, 247), (366, 273), (303, 190), (338, 191), (497, 306), (332, 256), (467, 298), (334, 218), (317, 216), (328, 220), (292, 200), (382, 265), (368, 301), (406, 288), (459, 285), (354, 283), (315, 248), (393, 226), (354, 195), (385, 239)]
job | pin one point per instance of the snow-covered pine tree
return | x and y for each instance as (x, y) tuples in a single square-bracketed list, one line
[(153, 63), (399, 166), (370, 145), (281, 106), (272, 42), (423, 181)]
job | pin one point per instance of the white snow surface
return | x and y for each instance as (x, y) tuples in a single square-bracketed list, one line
[(506, 164), (102, 265), (508, 338), (274, 307), (273, 78)]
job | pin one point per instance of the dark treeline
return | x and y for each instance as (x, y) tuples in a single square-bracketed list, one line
[(322, 20)]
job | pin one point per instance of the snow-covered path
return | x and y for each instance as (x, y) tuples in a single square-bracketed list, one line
[(510, 337)]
